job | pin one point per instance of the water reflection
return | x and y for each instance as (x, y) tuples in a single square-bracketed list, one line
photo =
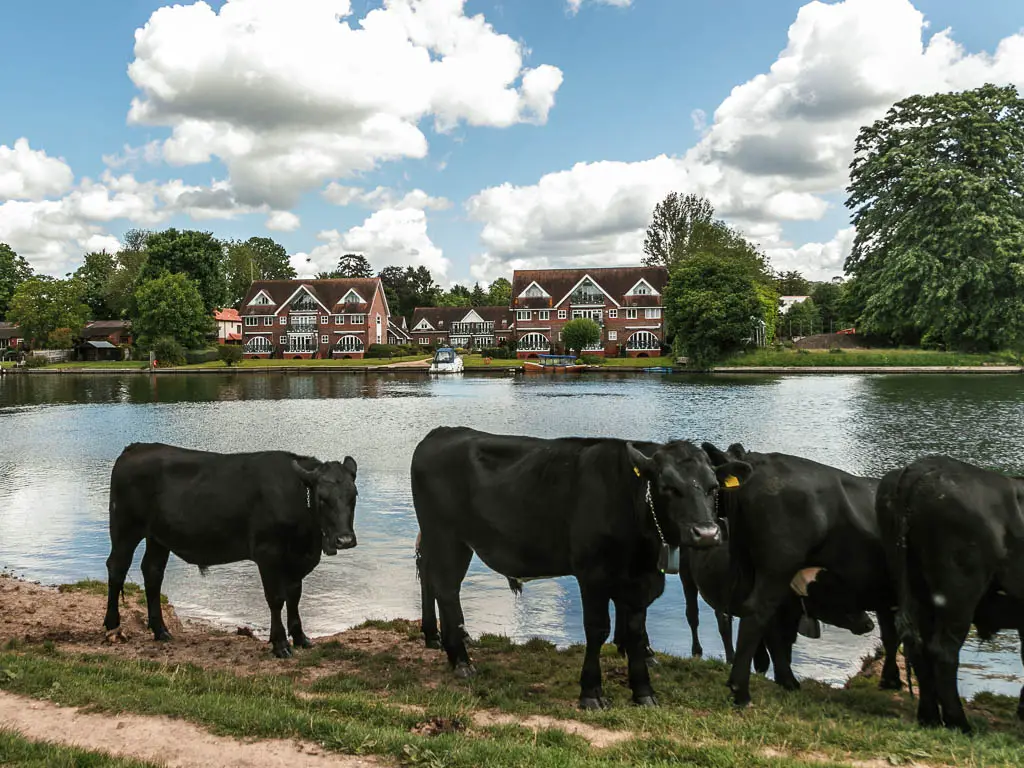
[(59, 437)]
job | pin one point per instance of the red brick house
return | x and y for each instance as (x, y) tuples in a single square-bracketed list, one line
[(117, 332), (10, 336), (467, 327), (229, 325), (626, 302), (324, 319)]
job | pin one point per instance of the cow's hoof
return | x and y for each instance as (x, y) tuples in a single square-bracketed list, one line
[(433, 643), (302, 642), (789, 684), (283, 651), (645, 701), (891, 685), (592, 703), (162, 636), (1020, 711), (464, 671), (697, 653)]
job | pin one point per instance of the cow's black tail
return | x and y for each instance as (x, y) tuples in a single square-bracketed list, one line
[(515, 585), (894, 518), (741, 569)]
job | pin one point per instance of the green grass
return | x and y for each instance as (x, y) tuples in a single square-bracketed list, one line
[(867, 357), (14, 750), (362, 702), (475, 361), (305, 363), (101, 364), (96, 587)]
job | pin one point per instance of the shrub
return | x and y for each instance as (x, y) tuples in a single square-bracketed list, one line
[(230, 354), (384, 350), (168, 351), (835, 351), (590, 359), (197, 356), (36, 361), (60, 339), (498, 353)]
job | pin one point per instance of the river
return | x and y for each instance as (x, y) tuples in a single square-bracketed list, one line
[(59, 437)]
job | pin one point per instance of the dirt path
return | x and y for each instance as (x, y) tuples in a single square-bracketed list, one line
[(160, 740), (411, 364)]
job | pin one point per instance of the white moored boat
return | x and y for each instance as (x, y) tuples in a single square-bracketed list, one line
[(446, 360)]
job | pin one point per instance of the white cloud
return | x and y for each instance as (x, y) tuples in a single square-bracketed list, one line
[(31, 174), (290, 95), (778, 146), (383, 197), (283, 221), (575, 5), (134, 157), (388, 237), (818, 261)]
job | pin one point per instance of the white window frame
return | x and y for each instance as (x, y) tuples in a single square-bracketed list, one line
[(562, 314), (283, 319), (358, 319), (544, 314), (533, 337), (612, 314), (425, 341), (522, 314), (325, 339), (631, 314), (265, 346), (325, 319), (339, 319), (350, 348), (283, 339), (653, 343), (652, 313), (252, 322), (613, 335), (268, 320)]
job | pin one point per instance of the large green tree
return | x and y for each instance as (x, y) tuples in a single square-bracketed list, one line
[(171, 306), (828, 299), (802, 319), (197, 255), (679, 226), (456, 296), (712, 303), (580, 333), (119, 294), (14, 271), (793, 283), (258, 258), (937, 191), (407, 288), (41, 305), (499, 293), (95, 275)]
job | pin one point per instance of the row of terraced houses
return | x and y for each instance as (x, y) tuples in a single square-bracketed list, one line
[(342, 318)]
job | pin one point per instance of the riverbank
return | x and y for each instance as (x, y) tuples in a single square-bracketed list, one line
[(374, 695), (868, 358)]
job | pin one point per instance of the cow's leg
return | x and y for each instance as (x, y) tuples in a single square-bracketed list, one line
[(154, 561), (944, 649), (691, 595), (122, 550), (762, 659), (780, 636), (1020, 704), (275, 590), (725, 632), (449, 561), (765, 599), (596, 625), (428, 611), (890, 680), (299, 639)]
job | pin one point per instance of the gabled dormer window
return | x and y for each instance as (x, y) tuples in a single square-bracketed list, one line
[(642, 288), (534, 291), (304, 303), (261, 299), (352, 297)]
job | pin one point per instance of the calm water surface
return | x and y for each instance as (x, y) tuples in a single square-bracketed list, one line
[(59, 437)]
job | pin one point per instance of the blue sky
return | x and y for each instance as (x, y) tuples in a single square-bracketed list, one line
[(631, 76)]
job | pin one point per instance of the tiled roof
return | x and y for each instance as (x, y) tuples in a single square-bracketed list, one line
[(328, 292), (9, 331), (615, 280), (227, 315), (448, 315), (104, 328)]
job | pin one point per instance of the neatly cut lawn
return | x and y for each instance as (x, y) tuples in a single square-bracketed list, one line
[(866, 357)]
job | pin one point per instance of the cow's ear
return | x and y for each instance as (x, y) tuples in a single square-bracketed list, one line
[(350, 465), (305, 475), (733, 473), (737, 451), (717, 457), (642, 464)]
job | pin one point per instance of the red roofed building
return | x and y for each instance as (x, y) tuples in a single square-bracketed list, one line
[(626, 302), (229, 326), (469, 327), (324, 319)]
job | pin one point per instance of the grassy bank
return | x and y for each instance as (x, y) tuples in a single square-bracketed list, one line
[(15, 750), (373, 699), (866, 357)]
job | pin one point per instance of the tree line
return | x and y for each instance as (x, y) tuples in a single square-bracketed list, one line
[(168, 284), (937, 200)]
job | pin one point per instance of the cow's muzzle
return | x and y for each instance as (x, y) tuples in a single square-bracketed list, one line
[(347, 541), (861, 624), (705, 535)]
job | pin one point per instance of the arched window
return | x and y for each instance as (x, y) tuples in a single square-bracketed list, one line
[(348, 345), (534, 342), (258, 345), (643, 340)]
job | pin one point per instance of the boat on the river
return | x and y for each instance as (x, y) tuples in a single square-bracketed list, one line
[(446, 360), (553, 364)]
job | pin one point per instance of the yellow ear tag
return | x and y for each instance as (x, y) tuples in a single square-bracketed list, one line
[(637, 470), (731, 481)]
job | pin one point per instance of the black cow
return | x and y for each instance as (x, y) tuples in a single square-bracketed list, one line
[(277, 509), (597, 509), (795, 514), (954, 536)]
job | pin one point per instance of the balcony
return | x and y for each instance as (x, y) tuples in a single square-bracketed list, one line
[(301, 343), (307, 324), (587, 299), (472, 329)]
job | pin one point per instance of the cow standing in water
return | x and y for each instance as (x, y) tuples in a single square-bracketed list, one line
[(601, 510), (954, 536), (804, 527), (278, 509)]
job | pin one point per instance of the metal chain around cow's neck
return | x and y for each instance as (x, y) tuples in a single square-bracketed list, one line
[(650, 503), (309, 500)]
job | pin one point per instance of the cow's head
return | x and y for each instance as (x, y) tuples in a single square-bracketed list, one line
[(683, 486), (826, 598), (332, 495)]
